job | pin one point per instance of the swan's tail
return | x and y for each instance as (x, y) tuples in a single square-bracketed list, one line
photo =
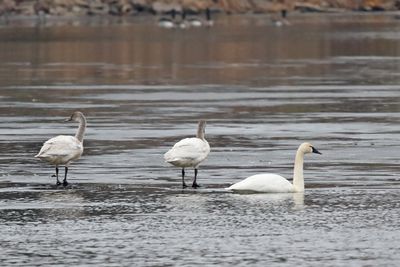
[(168, 157)]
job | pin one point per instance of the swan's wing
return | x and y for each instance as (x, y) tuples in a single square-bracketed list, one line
[(188, 149), (266, 182), (60, 146)]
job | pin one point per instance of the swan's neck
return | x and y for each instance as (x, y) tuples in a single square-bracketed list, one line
[(81, 130), (298, 179), (200, 131)]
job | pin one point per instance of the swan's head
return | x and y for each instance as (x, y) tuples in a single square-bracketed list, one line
[(202, 123), (308, 148), (76, 116)]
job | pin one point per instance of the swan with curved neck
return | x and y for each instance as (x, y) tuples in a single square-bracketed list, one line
[(63, 149), (274, 183), (190, 152)]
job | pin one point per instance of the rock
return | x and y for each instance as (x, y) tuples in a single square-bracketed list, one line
[(97, 7), (307, 7), (377, 5), (79, 10), (126, 9), (81, 3), (234, 6), (26, 8), (7, 6), (160, 7), (195, 5)]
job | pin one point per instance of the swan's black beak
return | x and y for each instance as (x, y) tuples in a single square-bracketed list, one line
[(68, 119), (314, 150)]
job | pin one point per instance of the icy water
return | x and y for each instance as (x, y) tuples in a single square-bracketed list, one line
[(332, 80)]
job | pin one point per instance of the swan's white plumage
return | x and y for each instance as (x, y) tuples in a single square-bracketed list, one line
[(61, 150), (195, 23), (188, 152), (166, 23), (273, 183), (265, 182)]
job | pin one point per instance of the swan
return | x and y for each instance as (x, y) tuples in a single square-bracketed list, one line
[(282, 21), (166, 23), (196, 22), (184, 23), (63, 149), (189, 152), (274, 183)]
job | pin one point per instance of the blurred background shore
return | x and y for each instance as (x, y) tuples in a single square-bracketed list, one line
[(12, 8)]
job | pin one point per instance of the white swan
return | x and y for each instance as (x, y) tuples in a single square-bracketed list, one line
[(172, 23), (274, 183), (166, 23), (63, 149), (282, 21), (197, 22), (189, 152)]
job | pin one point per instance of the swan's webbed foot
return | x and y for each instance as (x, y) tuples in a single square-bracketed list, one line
[(57, 181), (195, 185), (184, 185), (65, 183)]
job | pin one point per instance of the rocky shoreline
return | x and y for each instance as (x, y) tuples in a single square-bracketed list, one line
[(133, 7)]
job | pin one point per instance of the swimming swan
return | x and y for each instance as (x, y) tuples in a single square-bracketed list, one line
[(274, 183), (189, 152), (63, 149)]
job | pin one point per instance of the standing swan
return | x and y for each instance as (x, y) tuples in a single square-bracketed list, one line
[(189, 152), (63, 149), (274, 183)]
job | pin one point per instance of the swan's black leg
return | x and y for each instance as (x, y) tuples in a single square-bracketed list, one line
[(57, 182), (65, 183), (195, 185), (183, 178)]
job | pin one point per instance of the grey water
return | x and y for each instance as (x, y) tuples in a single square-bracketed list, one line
[(332, 80)]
